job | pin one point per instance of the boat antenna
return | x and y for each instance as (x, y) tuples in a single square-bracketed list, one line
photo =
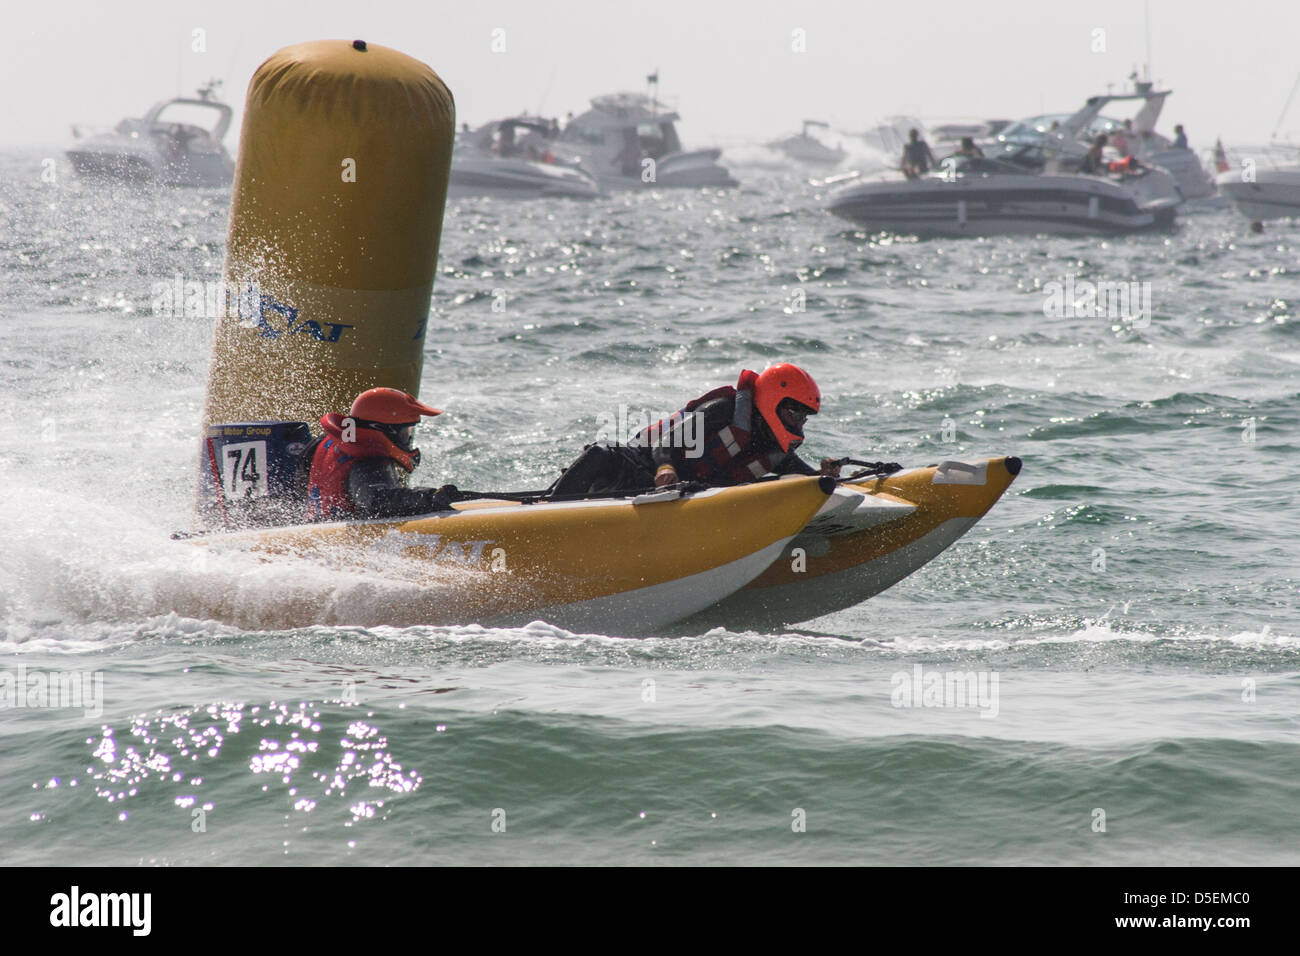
[(1280, 119), (541, 104), (1146, 15)]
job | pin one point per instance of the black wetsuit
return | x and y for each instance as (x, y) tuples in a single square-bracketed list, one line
[(632, 467), (378, 489)]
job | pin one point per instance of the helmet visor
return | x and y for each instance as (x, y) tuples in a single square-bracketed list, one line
[(400, 435), (793, 415)]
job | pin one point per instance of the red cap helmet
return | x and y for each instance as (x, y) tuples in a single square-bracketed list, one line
[(389, 406), (781, 383)]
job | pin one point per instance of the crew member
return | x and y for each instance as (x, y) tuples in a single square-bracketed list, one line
[(1093, 164), (1120, 138), (360, 466), (729, 436), (917, 158)]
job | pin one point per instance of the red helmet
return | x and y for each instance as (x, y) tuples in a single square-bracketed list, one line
[(389, 406), (782, 383)]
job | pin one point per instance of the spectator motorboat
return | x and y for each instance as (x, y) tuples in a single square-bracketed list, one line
[(517, 158), (803, 147), (1058, 142), (974, 196), (1263, 183), (630, 140), (176, 143)]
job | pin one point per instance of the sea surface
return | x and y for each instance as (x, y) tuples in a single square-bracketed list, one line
[(1128, 609)]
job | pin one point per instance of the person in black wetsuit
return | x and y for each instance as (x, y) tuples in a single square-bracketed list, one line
[(728, 436)]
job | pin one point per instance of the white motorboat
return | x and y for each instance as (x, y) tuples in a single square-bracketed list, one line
[(1062, 139), (805, 148), (1263, 183), (517, 158), (177, 143), (630, 140), (984, 197)]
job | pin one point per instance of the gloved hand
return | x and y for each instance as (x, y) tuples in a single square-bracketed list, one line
[(443, 497)]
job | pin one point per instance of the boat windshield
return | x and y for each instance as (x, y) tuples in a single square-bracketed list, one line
[(592, 135), (1032, 129), (191, 116), (657, 139)]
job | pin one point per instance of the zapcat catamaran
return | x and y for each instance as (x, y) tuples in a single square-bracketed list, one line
[(757, 555)]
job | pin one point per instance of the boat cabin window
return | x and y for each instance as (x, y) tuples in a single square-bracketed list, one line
[(190, 117), (657, 139), (584, 134), (1032, 129)]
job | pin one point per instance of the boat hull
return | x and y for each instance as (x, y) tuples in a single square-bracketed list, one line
[(518, 179), (1274, 193), (134, 165), (613, 566), (1059, 205), (1186, 169), (691, 170), (851, 552)]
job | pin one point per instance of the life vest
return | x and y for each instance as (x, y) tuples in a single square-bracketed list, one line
[(1121, 165), (727, 456), (327, 491)]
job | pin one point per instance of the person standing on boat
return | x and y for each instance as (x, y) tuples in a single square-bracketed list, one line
[(728, 436), (917, 158), (360, 466), (1180, 138), (1120, 139)]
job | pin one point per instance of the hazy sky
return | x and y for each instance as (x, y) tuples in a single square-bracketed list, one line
[(727, 64)]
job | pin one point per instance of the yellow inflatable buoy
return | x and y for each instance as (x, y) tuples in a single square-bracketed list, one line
[(335, 218)]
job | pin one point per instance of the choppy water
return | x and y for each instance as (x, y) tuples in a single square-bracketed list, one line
[(1155, 680)]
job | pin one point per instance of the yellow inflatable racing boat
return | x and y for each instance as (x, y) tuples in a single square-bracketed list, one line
[(619, 566)]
